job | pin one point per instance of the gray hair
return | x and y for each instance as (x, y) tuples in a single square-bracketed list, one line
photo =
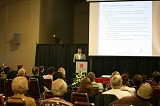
[(116, 82), (59, 87), (19, 85)]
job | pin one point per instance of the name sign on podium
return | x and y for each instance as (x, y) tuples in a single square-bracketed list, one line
[(81, 66)]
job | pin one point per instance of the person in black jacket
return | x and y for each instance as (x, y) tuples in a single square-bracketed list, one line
[(35, 71)]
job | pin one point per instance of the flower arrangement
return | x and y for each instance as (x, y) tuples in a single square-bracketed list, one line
[(79, 77)]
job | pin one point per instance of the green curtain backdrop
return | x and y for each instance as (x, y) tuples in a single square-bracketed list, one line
[(61, 55)]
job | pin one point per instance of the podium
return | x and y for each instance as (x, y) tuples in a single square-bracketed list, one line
[(81, 65)]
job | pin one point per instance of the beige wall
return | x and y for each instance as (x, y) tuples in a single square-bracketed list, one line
[(81, 22), (22, 17)]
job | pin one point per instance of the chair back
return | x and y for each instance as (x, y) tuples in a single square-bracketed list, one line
[(105, 99), (48, 94), (74, 89), (34, 89), (52, 103), (48, 83), (79, 97), (121, 105), (8, 88), (154, 98), (83, 104), (2, 86), (15, 102)]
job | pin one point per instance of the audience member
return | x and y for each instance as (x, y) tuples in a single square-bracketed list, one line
[(57, 75), (108, 86), (116, 82), (141, 99), (22, 72), (41, 70), (62, 70), (92, 77), (67, 95), (5, 72), (86, 87), (19, 66), (20, 87), (137, 80), (124, 85), (35, 71), (156, 79), (156, 89), (144, 78), (11, 74), (51, 71), (59, 88)]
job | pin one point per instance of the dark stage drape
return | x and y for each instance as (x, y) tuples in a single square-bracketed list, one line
[(61, 55)]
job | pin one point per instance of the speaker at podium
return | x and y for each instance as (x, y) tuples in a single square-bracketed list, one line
[(81, 65)]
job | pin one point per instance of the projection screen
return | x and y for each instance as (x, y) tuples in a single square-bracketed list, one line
[(125, 28)]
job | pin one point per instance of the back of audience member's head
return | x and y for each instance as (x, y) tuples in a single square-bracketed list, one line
[(11, 74), (124, 79), (156, 76), (86, 88), (35, 70), (145, 91), (57, 75), (22, 72), (62, 70), (137, 80), (85, 80), (116, 82), (19, 85), (59, 87), (6, 69), (115, 73), (41, 68), (19, 66), (144, 77), (51, 70), (91, 75)]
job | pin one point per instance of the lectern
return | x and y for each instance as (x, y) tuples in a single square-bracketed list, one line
[(81, 65)]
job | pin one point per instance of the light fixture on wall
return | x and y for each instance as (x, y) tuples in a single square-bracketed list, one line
[(57, 40)]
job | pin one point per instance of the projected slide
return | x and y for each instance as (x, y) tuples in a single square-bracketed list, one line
[(123, 28)]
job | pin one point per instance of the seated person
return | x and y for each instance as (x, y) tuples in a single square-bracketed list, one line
[(20, 87), (91, 75), (5, 72), (108, 86), (22, 72), (116, 82), (62, 70), (19, 66), (86, 87), (59, 87), (67, 95), (57, 75), (51, 71), (141, 99), (11, 74), (137, 80), (156, 89), (41, 70), (124, 85), (156, 79), (35, 71)]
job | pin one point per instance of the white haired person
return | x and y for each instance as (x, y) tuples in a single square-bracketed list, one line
[(116, 82), (59, 88), (62, 70), (141, 99), (20, 87), (22, 72)]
